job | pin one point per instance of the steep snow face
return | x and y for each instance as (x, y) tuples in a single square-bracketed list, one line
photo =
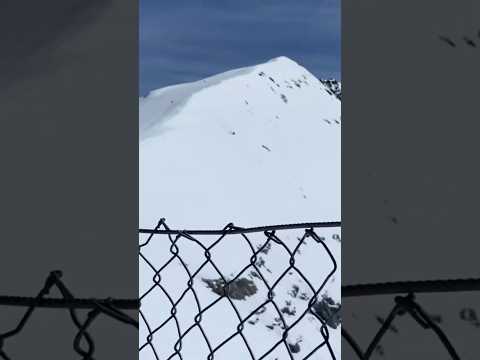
[(254, 146)]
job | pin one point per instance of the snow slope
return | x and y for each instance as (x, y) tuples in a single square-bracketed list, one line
[(233, 137), (254, 146)]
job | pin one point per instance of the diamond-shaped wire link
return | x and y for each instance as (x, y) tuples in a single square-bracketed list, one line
[(224, 286)]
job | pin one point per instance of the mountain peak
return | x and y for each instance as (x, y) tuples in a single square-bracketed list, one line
[(283, 60)]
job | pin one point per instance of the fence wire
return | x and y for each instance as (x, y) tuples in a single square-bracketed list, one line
[(406, 305), (325, 313), (226, 290), (83, 343)]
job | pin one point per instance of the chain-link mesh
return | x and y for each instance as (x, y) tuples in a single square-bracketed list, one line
[(268, 305), (83, 343), (406, 305), (177, 326)]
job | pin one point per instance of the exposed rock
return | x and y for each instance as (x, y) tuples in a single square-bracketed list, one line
[(328, 310), (334, 86), (238, 289), (294, 348)]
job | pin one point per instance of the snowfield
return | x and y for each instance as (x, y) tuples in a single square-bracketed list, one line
[(254, 146)]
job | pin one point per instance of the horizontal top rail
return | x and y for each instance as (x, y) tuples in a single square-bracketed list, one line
[(239, 230), (403, 287), (124, 304)]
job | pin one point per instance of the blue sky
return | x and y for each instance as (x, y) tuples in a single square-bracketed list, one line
[(187, 40)]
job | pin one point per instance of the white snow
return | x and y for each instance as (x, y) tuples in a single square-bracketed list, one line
[(255, 146)]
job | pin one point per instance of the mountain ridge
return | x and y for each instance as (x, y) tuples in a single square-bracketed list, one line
[(173, 96)]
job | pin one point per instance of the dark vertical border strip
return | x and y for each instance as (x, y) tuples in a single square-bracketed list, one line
[(410, 183), (69, 167)]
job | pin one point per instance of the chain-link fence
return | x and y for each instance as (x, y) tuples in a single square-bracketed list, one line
[(240, 293), (406, 305), (83, 342)]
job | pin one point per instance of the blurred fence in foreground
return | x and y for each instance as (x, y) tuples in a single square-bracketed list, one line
[(83, 343), (406, 304)]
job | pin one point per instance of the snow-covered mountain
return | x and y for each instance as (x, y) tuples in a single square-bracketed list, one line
[(254, 146)]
